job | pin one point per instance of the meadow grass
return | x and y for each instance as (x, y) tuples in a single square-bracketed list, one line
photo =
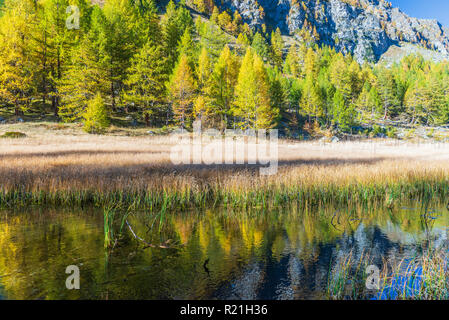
[(66, 167)]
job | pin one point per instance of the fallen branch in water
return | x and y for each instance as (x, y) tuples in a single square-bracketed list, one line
[(148, 245)]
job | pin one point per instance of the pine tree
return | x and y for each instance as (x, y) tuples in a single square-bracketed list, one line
[(278, 92), (436, 97), (182, 89), (54, 44), (143, 22), (50, 37)]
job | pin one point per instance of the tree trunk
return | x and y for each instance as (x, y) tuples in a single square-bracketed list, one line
[(54, 104), (113, 95), (147, 119)]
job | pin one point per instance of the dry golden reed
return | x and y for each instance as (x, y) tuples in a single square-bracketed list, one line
[(75, 168)]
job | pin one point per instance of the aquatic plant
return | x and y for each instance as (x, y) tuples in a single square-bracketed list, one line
[(347, 277), (109, 214), (424, 277)]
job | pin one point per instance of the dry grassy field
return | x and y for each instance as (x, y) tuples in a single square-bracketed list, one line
[(54, 158)]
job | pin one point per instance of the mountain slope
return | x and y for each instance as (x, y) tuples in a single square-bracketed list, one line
[(365, 28)]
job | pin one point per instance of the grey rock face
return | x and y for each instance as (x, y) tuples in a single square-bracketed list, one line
[(366, 30)]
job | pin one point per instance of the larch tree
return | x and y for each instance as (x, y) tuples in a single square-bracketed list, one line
[(252, 97), (415, 99), (174, 23), (55, 42), (222, 84), (387, 92), (186, 46), (292, 64), (311, 99), (182, 89), (260, 46), (88, 72), (277, 48), (202, 108), (340, 76), (211, 37), (96, 117), (368, 102), (17, 67), (119, 44), (204, 70), (146, 80)]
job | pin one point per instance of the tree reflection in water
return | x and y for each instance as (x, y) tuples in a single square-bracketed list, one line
[(281, 254)]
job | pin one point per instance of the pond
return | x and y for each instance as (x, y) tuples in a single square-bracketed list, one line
[(285, 253)]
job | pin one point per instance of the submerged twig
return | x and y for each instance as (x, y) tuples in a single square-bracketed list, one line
[(148, 245)]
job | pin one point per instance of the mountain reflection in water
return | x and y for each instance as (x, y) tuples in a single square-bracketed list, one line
[(282, 254)]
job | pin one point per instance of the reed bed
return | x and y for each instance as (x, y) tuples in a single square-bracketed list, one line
[(422, 277), (312, 185), (425, 277), (77, 170)]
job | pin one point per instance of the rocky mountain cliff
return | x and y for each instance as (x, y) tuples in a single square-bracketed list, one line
[(365, 28)]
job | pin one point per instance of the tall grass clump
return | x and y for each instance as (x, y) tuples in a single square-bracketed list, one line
[(347, 277), (109, 214), (424, 277)]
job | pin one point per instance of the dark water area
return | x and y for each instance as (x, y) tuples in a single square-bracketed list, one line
[(214, 254)]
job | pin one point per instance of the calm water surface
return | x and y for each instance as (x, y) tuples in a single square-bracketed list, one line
[(214, 254)]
